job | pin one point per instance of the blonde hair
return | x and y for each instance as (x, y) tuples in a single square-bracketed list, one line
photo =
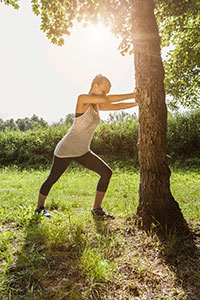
[(98, 80)]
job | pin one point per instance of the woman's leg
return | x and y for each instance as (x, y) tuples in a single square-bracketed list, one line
[(58, 167), (98, 199), (96, 164), (41, 200)]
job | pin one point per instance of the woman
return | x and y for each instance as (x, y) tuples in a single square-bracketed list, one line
[(75, 145)]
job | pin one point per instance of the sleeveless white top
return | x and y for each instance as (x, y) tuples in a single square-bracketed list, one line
[(77, 141)]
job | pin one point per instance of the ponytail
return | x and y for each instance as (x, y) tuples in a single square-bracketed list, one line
[(98, 80)]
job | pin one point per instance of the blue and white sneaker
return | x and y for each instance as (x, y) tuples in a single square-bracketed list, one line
[(45, 212)]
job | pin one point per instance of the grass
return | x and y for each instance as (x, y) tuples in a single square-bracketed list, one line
[(75, 257)]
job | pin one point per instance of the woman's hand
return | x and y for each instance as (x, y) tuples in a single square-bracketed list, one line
[(136, 94)]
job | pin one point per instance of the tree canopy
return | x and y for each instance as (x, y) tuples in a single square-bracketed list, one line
[(179, 23), (179, 26)]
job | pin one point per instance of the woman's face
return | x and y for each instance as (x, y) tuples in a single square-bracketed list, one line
[(102, 89)]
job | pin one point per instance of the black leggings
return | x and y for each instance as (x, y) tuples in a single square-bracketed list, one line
[(88, 160)]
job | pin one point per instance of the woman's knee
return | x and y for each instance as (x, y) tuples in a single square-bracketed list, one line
[(106, 174), (104, 180)]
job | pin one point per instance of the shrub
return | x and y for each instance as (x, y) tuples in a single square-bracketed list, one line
[(31, 147), (117, 138), (183, 135)]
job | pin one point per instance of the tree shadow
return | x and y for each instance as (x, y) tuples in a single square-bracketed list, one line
[(182, 256), (42, 272), (102, 225)]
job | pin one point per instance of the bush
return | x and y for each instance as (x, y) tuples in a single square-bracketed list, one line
[(31, 147), (116, 138), (183, 135)]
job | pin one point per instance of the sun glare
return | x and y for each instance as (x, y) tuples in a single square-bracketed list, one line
[(89, 51), (97, 33)]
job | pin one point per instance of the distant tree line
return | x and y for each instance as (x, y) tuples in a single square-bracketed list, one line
[(23, 124), (30, 142), (34, 122)]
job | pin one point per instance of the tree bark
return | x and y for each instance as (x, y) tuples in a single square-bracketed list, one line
[(156, 203)]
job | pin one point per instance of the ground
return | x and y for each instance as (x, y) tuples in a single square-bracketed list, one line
[(73, 256)]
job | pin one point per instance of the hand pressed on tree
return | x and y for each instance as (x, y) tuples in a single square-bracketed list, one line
[(136, 95)]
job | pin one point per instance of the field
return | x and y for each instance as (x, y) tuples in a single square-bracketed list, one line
[(75, 257)]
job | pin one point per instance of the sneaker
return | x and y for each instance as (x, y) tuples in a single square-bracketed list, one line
[(99, 212), (45, 212)]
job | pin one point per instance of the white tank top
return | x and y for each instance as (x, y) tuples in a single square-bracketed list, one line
[(77, 141)]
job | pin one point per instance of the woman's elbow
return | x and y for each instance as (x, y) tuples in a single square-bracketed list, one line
[(81, 97)]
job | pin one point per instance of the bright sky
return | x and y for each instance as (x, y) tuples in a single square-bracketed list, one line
[(37, 77)]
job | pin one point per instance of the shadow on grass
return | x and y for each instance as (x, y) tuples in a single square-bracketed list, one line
[(182, 256), (42, 271), (101, 226)]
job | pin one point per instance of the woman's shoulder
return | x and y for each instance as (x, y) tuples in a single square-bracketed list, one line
[(81, 97)]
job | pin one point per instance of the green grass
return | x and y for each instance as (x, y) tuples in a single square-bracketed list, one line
[(74, 257)]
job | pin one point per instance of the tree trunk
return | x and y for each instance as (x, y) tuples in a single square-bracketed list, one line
[(156, 203)]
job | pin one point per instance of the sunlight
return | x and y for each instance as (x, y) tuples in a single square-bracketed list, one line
[(87, 52), (92, 50), (97, 34), (60, 73)]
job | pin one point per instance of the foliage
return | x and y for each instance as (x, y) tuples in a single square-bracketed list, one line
[(115, 138), (31, 147), (23, 124), (179, 27), (184, 134), (179, 23), (57, 17), (69, 119), (118, 136), (13, 3)]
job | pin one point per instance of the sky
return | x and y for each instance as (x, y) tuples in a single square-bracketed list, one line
[(37, 77)]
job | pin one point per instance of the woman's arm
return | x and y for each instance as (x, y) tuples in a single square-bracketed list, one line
[(92, 99), (104, 99), (116, 98), (117, 106)]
